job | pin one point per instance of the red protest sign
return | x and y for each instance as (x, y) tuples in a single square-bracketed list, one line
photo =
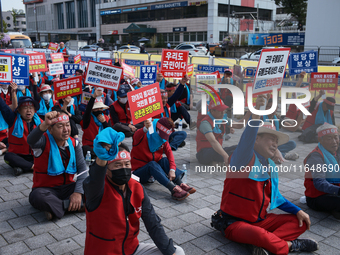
[(53, 46), (145, 103), (57, 57), (77, 59), (174, 63), (128, 70), (324, 81), (190, 70), (37, 62), (67, 87), (106, 61)]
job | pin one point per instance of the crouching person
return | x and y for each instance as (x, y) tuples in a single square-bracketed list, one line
[(115, 202), (57, 158)]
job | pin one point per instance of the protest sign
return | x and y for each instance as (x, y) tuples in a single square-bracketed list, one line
[(56, 68), (145, 103), (67, 87), (77, 59), (190, 70), (20, 69), (85, 97), (270, 70), (6, 68), (218, 76), (70, 70), (106, 61), (128, 70), (53, 46), (102, 75), (210, 79), (174, 63), (148, 74), (37, 62), (57, 57), (303, 62), (324, 81), (254, 95)]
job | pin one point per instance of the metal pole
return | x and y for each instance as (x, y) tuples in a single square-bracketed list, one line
[(2, 27), (36, 23), (228, 17), (257, 17)]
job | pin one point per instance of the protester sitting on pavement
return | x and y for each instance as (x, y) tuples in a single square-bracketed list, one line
[(45, 100), (247, 193), (322, 180), (186, 97), (321, 112), (121, 115), (147, 158), (162, 81), (109, 189), (67, 105), (57, 158), (94, 121)]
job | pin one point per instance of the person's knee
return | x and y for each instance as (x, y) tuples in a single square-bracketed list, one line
[(154, 166), (179, 250), (292, 144), (38, 196)]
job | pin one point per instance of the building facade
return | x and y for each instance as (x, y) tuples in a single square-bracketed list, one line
[(19, 26)]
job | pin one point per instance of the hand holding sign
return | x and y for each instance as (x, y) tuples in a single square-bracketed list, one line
[(184, 80), (97, 93)]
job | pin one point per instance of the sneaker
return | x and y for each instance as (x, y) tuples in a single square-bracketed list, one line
[(308, 245), (187, 188), (17, 171), (151, 179), (291, 156), (182, 144), (179, 194), (184, 125), (259, 251), (227, 137), (48, 216), (193, 125)]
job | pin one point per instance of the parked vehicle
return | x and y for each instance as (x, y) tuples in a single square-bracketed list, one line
[(194, 49), (18, 40), (129, 49), (41, 45), (75, 44), (336, 61), (91, 48)]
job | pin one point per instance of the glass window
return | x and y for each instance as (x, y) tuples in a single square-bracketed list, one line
[(176, 37), (70, 15), (186, 37), (200, 36), (82, 13), (171, 38), (93, 12), (192, 36), (60, 15)]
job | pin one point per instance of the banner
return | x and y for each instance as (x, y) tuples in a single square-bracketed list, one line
[(20, 68), (210, 79), (67, 87), (276, 39), (5, 68), (106, 61), (134, 62), (83, 58), (56, 68), (37, 62), (324, 81), (53, 46), (85, 97), (210, 69), (303, 62), (270, 70), (103, 75), (145, 103), (57, 57), (190, 70), (77, 59), (148, 74), (174, 63), (70, 70), (128, 70)]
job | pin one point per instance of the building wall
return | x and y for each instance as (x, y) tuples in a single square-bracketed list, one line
[(21, 22)]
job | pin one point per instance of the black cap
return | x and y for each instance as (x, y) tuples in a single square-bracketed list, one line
[(28, 99)]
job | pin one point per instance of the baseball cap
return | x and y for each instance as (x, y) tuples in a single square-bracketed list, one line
[(123, 90), (27, 100), (164, 128), (228, 71), (219, 106)]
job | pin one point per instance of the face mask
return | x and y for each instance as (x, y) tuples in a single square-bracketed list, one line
[(21, 87), (47, 97), (123, 100), (5, 89), (121, 176), (71, 103), (97, 113)]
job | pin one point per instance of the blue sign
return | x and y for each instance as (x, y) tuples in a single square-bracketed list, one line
[(83, 58), (305, 61), (70, 70), (109, 12), (134, 62), (276, 39), (293, 84), (20, 69), (148, 74), (250, 72), (169, 5), (211, 69)]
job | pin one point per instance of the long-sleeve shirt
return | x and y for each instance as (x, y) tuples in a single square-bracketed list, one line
[(87, 115), (244, 153), (94, 191), (37, 141), (176, 95), (7, 113), (77, 117), (114, 114), (312, 108)]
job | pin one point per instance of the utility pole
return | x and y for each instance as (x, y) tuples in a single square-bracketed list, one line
[(36, 23), (228, 16), (2, 23), (257, 18)]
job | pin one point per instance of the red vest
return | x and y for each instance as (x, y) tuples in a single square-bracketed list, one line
[(40, 176), (310, 120), (201, 140), (293, 112), (108, 230), (122, 116), (3, 134), (6, 98), (91, 131), (166, 108), (311, 191), (19, 145), (245, 198), (64, 53)]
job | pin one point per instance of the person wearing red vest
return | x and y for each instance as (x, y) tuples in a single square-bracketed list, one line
[(148, 146), (4, 89), (322, 179), (226, 95), (94, 121), (121, 115), (250, 185), (111, 189), (64, 50), (57, 160)]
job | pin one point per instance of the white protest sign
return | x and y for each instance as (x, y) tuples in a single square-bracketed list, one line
[(56, 68), (85, 97), (6, 69), (101, 75), (270, 70), (210, 79)]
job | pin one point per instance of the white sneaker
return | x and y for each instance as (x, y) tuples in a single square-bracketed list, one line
[(291, 156)]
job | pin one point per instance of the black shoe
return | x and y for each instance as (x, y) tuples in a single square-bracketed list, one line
[(259, 251), (184, 125), (308, 245), (182, 144), (336, 214), (17, 171)]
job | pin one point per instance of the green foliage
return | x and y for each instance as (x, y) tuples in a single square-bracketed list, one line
[(297, 8)]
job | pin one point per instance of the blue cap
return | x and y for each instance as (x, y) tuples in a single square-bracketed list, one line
[(123, 90), (28, 99)]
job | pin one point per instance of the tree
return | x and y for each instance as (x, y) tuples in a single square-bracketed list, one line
[(4, 25), (297, 8), (15, 13)]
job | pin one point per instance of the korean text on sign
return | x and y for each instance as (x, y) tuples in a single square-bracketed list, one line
[(106, 61), (148, 74), (210, 79), (104, 76), (56, 68), (324, 81), (37, 62), (53, 46), (67, 87), (174, 63), (5, 68), (70, 70), (20, 68), (145, 103), (128, 70), (85, 97), (77, 59), (303, 62), (270, 70), (57, 57)]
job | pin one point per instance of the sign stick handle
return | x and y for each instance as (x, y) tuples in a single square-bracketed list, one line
[(151, 130)]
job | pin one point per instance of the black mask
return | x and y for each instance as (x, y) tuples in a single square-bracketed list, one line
[(121, 176), (97, 113)]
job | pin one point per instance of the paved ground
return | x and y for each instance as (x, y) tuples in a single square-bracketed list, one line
[(24, 230)]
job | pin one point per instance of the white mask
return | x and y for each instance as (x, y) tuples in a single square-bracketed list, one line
[(123, 100), (4, 89), (21, 87), (47, 97), (71, 103)]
